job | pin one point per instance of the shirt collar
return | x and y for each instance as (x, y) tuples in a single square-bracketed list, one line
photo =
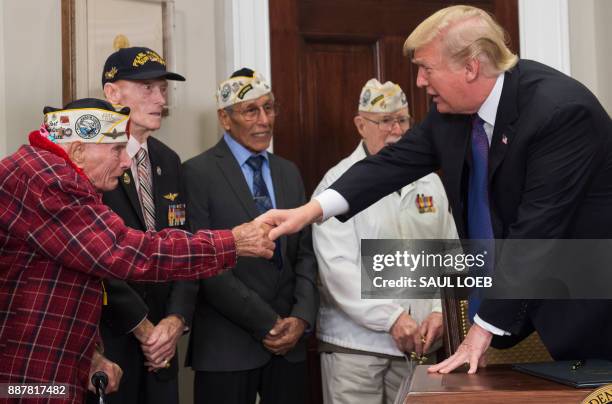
[(133, 146), (240, 152), (488, 110)]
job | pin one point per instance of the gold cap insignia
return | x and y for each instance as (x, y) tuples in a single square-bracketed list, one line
[(147, 56), (109, 75), (170, 196)]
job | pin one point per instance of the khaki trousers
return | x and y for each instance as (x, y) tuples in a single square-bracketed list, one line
[(363, 379)]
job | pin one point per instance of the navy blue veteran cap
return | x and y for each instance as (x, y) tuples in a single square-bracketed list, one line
[(136, 63)]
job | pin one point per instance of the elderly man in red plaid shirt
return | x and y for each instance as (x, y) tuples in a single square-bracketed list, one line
[(57, 240)]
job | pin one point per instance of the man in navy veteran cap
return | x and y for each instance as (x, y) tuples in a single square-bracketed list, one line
[(142, 323)]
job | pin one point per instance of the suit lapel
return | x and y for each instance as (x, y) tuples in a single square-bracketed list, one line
[(156, 179), (457, 142), (129, 187), (235, 178), (277, 182), (504, 130), (279, 193)]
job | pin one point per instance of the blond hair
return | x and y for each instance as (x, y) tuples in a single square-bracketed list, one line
[(465, 33)]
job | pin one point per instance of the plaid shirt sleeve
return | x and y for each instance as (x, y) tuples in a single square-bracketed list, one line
[(73, 227)]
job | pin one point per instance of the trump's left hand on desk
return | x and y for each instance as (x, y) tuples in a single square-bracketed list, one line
[(471, 352)]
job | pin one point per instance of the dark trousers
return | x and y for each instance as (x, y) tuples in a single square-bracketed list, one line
[(277, 382)]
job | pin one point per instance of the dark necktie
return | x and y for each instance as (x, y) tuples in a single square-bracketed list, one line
[(479, 213), (263, 202), (262, 199)]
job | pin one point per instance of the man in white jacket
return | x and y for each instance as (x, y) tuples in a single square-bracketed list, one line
[(363, 342)]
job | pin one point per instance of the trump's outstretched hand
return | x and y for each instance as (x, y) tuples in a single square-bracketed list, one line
[(470, 352), (252, 240), (289, 221)]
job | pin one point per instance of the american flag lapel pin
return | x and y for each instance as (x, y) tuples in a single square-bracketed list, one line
[(504, 139)]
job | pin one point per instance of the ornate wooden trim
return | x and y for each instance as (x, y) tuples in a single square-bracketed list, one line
[(68, 52)]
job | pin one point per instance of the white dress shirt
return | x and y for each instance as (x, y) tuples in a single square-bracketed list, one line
[(132, 147)]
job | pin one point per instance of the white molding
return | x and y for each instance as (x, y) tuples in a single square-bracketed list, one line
[(544, 32), (3, 124), (250, 28), (247, 35)]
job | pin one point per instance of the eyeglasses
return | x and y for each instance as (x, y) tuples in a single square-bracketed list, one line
[(252, 113), (386, 124)]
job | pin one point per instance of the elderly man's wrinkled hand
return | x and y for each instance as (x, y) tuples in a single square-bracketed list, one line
[(252, 240), (143, 330), (160, 347), (405, 333), (431, 329), (284, 335), (100, 364), (470, 352)]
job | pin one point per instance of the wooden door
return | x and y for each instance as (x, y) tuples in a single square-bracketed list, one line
[(322, 53)]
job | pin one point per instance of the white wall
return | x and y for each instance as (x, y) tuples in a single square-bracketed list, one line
[(192, 125), (603, 33), (544, 33), (31, 75), (32, 66), (591, 46), (2, 89)]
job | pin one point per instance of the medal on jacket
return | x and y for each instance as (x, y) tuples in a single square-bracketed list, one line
[(171, 196), (126, 178), (425, 204), (176, 214)]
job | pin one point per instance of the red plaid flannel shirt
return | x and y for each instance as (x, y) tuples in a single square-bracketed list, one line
[(57, 240)]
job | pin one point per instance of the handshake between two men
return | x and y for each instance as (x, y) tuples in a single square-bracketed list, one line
[(159, 343)]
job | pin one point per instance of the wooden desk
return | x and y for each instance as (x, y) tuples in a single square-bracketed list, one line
[(493, 384)]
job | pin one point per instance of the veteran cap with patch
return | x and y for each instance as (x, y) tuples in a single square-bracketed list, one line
[(376, 97), (136, 63), (88, 120), (244, 85)]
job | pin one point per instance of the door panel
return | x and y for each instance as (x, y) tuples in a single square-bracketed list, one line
[(339, 68), (323, 51)]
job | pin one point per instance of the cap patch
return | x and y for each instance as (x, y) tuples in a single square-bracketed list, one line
[(386, 98), (148, 56), (88, 126), (241, 88)]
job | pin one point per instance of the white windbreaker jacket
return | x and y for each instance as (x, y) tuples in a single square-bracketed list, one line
[(344, 318)]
